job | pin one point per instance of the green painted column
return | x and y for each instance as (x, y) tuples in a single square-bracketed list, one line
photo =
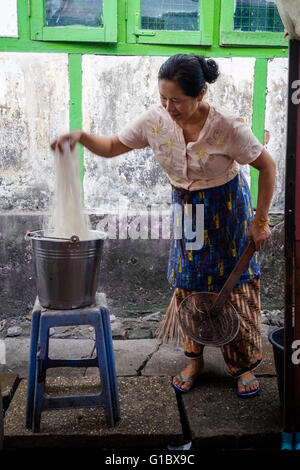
[(258, 115), (75, 81)]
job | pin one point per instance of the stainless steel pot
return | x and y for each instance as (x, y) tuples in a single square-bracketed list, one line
[(67, 270)]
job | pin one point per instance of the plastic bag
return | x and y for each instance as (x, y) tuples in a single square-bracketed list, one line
[(289, 11)]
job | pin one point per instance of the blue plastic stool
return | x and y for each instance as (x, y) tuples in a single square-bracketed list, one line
[(42, 321)]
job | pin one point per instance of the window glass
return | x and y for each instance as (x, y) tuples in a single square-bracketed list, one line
[(256, 15), (170, 15), (74, 12)]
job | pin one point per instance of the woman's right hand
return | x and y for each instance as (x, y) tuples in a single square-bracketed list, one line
[(72, 138)]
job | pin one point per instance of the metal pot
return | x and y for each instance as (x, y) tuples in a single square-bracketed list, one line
[(67, 270)]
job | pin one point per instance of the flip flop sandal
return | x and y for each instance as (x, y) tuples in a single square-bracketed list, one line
[(193, 377), (247, 394)]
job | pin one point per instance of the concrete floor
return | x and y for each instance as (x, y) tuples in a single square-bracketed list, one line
[(153, 415)]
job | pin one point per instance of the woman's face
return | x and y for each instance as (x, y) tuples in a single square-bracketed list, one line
[(180, 106)]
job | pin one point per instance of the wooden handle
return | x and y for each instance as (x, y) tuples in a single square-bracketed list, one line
[(234, 277)]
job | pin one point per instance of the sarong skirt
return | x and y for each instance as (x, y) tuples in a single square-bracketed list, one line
[(228, 212)]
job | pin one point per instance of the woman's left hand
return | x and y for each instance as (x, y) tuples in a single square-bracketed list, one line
[(259, 235)]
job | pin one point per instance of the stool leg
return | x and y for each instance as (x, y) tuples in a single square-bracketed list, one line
[(104, 370), (40, 375), (35, 320), (111, 362), (38, 402)]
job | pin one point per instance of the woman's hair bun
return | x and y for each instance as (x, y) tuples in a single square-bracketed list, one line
[(190, 72), (210, 69)]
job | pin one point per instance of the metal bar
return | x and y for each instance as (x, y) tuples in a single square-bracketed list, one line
[(297, 258), (297, 324), (288, 383)]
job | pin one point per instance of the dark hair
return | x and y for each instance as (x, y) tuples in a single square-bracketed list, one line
[(190, 72)]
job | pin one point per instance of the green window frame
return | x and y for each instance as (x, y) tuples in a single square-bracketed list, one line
[(231, 37), (40, 32), (144, 36)]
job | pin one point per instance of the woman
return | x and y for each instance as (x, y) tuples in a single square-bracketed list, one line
[(200, 147)]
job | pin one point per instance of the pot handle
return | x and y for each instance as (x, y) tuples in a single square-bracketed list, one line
[(28, 235)]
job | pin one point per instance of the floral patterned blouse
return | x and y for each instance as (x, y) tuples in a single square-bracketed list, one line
[(212, 160)]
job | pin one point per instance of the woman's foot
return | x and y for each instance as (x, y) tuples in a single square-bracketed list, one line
[(247, 384), (192, 371)]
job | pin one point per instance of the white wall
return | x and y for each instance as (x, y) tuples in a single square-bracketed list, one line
[(8, 18), (34, 108), (118, 89), (276, 123)]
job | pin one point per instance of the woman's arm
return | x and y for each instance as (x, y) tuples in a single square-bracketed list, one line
[(102, 146), (266, 183)]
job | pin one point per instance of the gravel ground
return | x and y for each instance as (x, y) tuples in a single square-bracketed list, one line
[(138, 327)]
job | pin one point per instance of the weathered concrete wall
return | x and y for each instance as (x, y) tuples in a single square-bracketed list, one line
[(132, 272), (135, 178), (34, 108), (16, 267), (276, 123), (8, 19)]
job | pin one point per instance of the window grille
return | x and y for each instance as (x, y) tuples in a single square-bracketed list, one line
[(171, 15), (256, 15), (74, 12)]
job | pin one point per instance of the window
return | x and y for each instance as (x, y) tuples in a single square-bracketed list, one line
[(256, 15), (66, 13), (170, 21), (173, 16), (251, 22), (74, 20)]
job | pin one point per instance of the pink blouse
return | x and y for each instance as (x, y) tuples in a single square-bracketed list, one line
[(212, 160)]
